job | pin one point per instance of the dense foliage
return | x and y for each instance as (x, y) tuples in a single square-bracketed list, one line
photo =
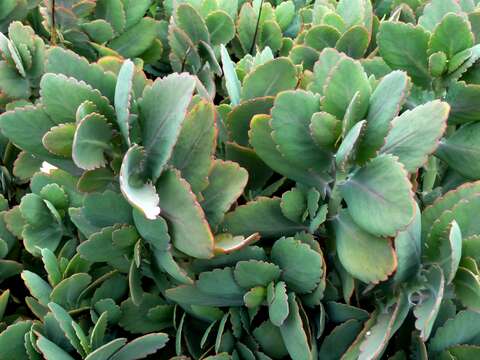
[(233, 179)]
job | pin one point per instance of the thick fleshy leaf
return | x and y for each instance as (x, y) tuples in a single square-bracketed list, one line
[(354, 249), (385, 104), (356, 12), (123, 98), (163, 109), (221, 27), (404, 46), (91, 141), (50, 350), (459, 330), (59, 139), (320, 37), (269, 338), (68, 63), (193, 152), (467, 288), (232, 83), (140, 194), (354, 42), (345, 81), (277, 298), (249, 274), (462, 98), (262, 141), (339, 339), (302, 267), (435, 10), (184, 216), (61, 97), (379, 196), (291, 116), (426, 312), (129, 44), (415, 134), (244, 219), (386, 324), (25, 127), (451, 35), (269, 79), (12, 340), (155, 232), (227, 181), (461, 151), (141, 347), (408, 246), (238, 120), (293, 334)]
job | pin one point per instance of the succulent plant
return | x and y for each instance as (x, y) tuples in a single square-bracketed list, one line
[(213, 179)]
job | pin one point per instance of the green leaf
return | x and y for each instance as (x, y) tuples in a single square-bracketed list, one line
[(293, 334), (140, 194), (294, 205), (98, 206), (238, 120), (59, 140), (426, 312), (162, 109), (467, 288), (25, 127), (451, 35), (356, 12), (347, 151), (270, 339), (123, 98), (434, 12), (415, 134), (379, 196), (227, 181), (269, 79), (184, 216), (134, 11), (136, 40), (354, 249), (252, 273), (167, 263), (460, 150), (141, 347), (278, 307), (50, 350), (220, 26), (302, 267), (65, 321), (459, 330), (290, 122), (67, 292), (61, 96), (190, 21), (12, 340), (386, 324), (345, 81), (106, 351), (462, 99), (155, 232), (354, 42), (320, 37), (12, 84), (244, 219), (26, 165), (404, 46), (68, 63), (408, 246), (339, 339), (234, 88), (193, 152), (95, 180), (91, 141), (385, 104)]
